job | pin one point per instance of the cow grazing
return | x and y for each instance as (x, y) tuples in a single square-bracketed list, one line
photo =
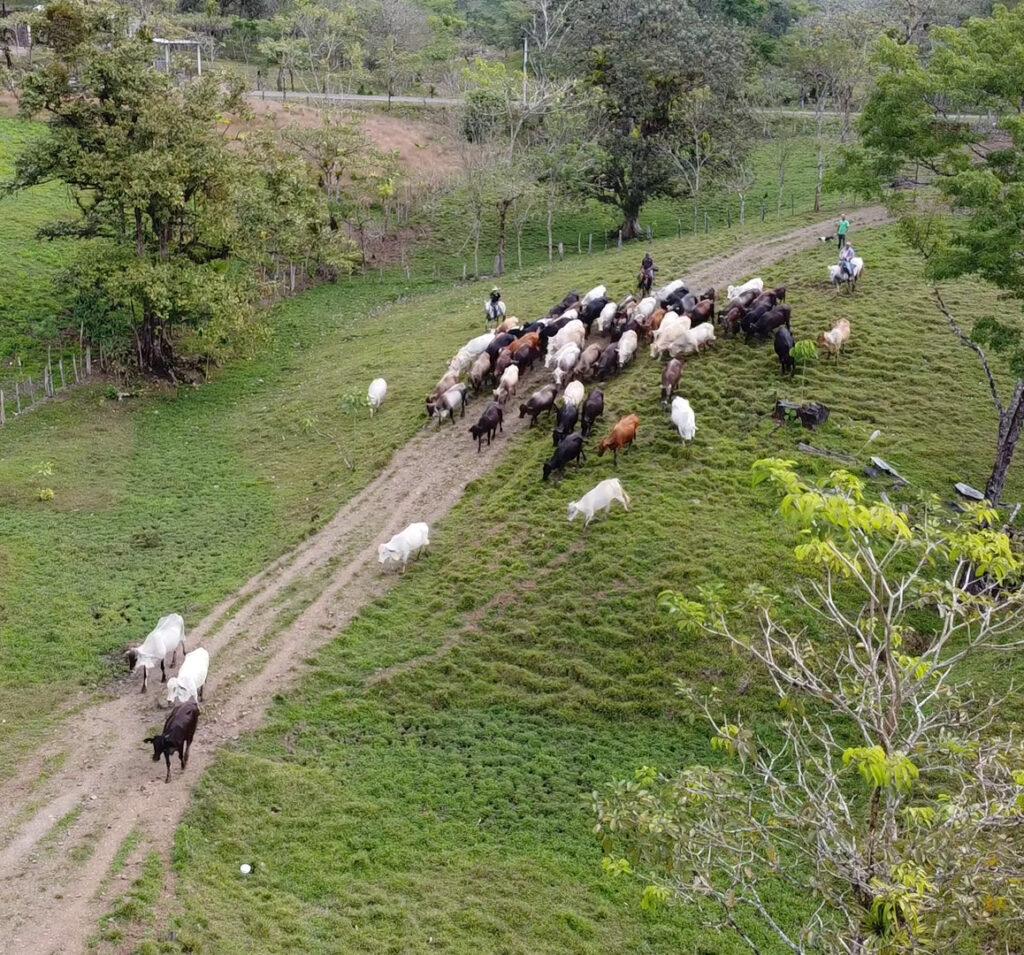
[(622, 437), (670, 379), (188, 684), (599, 498), (566, 423), (784, 349), (375, 394), (165, 638), (770, 320), (570, 448), (179, 729), (593, 408), (489, 424), (684, 419), (836, 337), (404, 544), (540, 401)]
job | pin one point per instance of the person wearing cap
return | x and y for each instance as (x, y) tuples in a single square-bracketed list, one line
[(494, 308), (842, 229)]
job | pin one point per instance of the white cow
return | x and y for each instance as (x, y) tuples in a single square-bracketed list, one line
[(404, 544), (376, 392), (673, 327), (564, 362), (188, 684), (645, 308), (627, 347), (572, 331), (574, 394), (599, 499), (666, 290), (165, 638), (684, 419), (604, 320), (598, 291), (737, 290), (465, 355)]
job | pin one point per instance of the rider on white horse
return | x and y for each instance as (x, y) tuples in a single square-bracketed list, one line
[(846, 255), (494, 308)]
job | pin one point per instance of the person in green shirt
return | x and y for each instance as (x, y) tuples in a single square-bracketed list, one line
[(844, 225)]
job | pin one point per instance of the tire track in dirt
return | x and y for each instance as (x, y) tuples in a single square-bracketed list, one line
[(49, 904)]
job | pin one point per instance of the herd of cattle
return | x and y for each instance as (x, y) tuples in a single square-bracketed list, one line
[(673, 319)]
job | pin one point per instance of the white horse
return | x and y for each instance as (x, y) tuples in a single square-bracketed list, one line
[(839, 276)]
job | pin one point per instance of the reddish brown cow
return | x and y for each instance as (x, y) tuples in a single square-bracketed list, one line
[(622, 436)]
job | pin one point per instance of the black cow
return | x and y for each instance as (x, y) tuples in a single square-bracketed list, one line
[(179, 728), (570, 448)]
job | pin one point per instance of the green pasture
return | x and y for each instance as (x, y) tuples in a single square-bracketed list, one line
[(446, 809)]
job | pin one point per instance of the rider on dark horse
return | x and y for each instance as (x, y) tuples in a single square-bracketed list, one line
[(647, 270)]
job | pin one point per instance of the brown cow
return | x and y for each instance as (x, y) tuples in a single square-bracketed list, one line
[(622, 436)]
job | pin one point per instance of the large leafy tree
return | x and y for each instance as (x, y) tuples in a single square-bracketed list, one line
[(648, 62), (960, 175), (172, 212), (882, 810)]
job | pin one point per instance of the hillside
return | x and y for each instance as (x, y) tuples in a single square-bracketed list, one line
[(425, 784)]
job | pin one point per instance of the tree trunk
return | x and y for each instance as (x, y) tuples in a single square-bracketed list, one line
[(503, 207), (631, 227), (1011, 421), (551, 244), (743, 209), (821, 176)]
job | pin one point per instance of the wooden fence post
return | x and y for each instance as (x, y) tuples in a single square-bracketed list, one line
[(88, 360), (31, 391), (463, 271), (728, 217), (762, 210), (561, 251), (17, 395), (707, 224), (590, 244), (74, 367), (679, 228), (620, 240), (60, 367), (579, 243), (650, 235), (3, 413)]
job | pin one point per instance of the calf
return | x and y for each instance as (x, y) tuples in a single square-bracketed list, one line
[(188, 684), (588, 360), (179, 729), (593, 409), (566, 423), (165, 638), (375, 394), (570, 448), (599, 499), (404, 544), (502, 364), (670, 379), (731, 319), (489, 424), (623, 435), (784, 348), (539, 401)]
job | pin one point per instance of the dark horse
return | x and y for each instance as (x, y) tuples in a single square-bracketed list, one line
[(644, 281)]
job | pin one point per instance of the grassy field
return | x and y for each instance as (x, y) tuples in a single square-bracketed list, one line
[(447, 242), (447, 809), (174, 498), (28, 312)]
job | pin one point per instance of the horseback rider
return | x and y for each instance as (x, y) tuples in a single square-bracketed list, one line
[(494, 307), (846, 255), (647, 270)]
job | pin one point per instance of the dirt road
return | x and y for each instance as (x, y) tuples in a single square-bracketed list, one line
[(67, 813)]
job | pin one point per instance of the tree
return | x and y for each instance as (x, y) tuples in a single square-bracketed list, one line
[(966, 216), (882, 797), (168, 210), (397, 34), (639, 115)]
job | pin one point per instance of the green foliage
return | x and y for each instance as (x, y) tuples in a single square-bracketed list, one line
[(644, 107), (804, 352)]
